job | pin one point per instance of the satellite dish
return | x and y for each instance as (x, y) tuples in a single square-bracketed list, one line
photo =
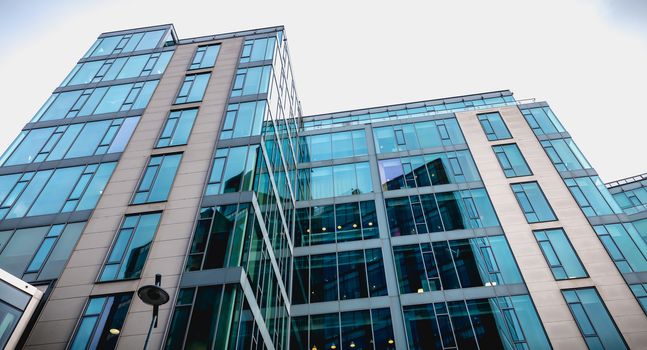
[(153, 295)]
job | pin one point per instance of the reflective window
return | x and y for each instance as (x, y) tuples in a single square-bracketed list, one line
[(338, 276), (626, 246), (53, 191), (177, 128), (258, 50), (640, 291), (593, 319), (233, 169), (158, 177), (208, 317), (108, 99), (494, 126), (565, 155), (533, 203), (427, 170), (511, 160), (38, 253), (116, 44), (101, 322), (193, 88), (446, 211), (119, 68), (462, 263), (130, 249), (244, 119), (251, 81), (335, 181), (495, 323), (592, 196), (543, 121), (404, 137), (335, 223), (205, 57), (362, 329), (320, 147), (70, 141), (9, 315), (632, 201), (559, 254), (219, 237)]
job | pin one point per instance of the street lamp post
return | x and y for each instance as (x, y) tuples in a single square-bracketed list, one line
[(153, 295)]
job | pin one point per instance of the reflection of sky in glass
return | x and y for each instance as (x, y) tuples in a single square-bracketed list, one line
[(390, 169)]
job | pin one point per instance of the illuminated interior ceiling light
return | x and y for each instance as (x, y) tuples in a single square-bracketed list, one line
[(354, 225), (339, 227), (420, 290), (352, 344), (333, 347), (114, 331), (390, 341), (370, 223), (323, 229), (308, 230)]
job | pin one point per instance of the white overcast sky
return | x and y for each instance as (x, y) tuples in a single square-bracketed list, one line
[(587, 58)]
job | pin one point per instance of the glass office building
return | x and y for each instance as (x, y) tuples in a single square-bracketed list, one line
[(453, 223)]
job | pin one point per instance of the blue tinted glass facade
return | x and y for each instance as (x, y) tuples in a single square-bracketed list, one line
[(533, 203), (494, 126)]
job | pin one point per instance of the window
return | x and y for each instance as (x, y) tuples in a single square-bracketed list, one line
[(593, 319), (53, 191), (532, 201), (208, 317), (407, 137), (177, 128), (119, 68), (335, 223), (320, 147), (361, 329), (494, 126), (592, 196), (258, 50), (632, 201), (70, 141), (130, 249), (542, 121), (38, 253), (101, 316), (565, 155), (640, 291), (108, 99), (193, 88), (117, 44), (462, 263), (233, 170), (338, 276), (559, 254), (12, 306), (338, 180), (156, 182), (626, 246), (205, 57), (252, 81), (244, 119), (495, 323), (511, 160), (445, 211), (427, 170), (219, 237)]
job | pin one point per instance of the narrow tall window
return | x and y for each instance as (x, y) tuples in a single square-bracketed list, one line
[(130, 249), (205, 57), (533, 202), (511, 160), (101, 322), (193, 88), (593, 319), (156, 182), (177, 128), (494, 126), (559, 254)]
